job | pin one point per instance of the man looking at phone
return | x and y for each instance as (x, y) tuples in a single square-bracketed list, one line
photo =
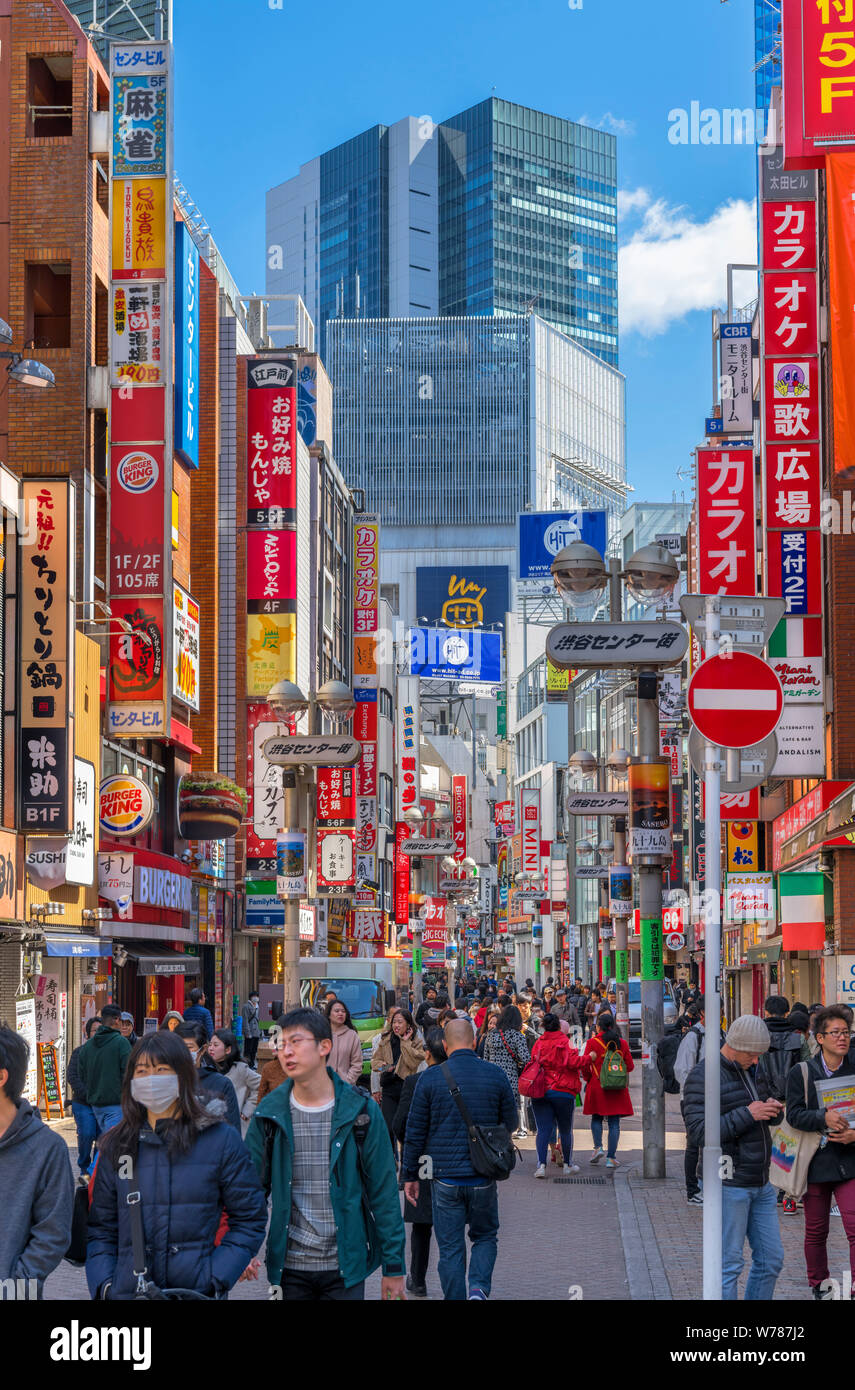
[(749, 1201)]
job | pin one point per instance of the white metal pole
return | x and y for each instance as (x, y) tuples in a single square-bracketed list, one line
[(712, 996)]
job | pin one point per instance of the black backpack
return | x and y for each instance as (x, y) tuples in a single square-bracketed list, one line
[(785, 1051), (666, 1056)]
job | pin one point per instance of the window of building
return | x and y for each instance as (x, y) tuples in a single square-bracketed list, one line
[(384, 800), (47, 304), (49, 95), (392, 594), (385, 706), (329, 602)]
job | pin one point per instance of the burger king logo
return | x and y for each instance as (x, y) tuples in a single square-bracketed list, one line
[(137, 472), (127, 806)]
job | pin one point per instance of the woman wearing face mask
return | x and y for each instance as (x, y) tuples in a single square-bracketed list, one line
[(188, 1169), (209, 1081), (224, 1052)]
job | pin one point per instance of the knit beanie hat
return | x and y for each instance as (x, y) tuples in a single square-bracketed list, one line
[(748, 1034)]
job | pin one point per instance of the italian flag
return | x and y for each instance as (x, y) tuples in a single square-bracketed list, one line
[(802, 903), (797, 637)]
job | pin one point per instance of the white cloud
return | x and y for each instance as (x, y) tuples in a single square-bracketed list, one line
[(672, 265), (631, 200), (615, 125)]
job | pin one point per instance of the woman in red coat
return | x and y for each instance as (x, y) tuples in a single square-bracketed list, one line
[(563, 1067), (600, 1104)]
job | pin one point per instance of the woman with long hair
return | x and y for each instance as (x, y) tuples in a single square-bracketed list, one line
[(185, 1167), (397, 1055), (491, 1019), (419, 1215), (562, 1065), (506, 1047), (345, 1058), (611, 1103), (224, 1052)]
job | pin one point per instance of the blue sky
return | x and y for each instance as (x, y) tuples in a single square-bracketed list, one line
[(261, 89)]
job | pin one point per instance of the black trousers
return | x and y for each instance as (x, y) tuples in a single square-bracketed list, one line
[(250, 1048), (325, 1286), (419, 1250), (691, 1163)]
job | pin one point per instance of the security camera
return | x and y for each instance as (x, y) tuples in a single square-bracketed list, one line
[(187, 857)]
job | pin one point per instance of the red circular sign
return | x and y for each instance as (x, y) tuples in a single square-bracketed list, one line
[(736, 700)]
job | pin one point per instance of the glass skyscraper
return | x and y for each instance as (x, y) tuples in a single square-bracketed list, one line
[(767, 51), (494, 211)]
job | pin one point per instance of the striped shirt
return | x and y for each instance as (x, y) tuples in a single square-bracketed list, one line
[(311, 1229)]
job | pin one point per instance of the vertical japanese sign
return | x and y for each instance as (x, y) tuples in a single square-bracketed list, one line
[(407, 751), (366, 616), (726, 521), (271, 513), (266, 810), (649, 786), (818, 78), (840, 202), (737, 379), (187, 346), (793, 455), (140, 415), (336, 832), (459, 817), (45, 654), (402, 875), (530, 829), (185, 647)]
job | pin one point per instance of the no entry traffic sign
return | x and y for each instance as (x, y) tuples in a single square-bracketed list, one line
[(736, 700)]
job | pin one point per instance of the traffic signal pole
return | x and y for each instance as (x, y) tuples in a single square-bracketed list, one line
[(712, 992)]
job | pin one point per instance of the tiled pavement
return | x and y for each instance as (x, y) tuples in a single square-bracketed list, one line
[(603, 1236)]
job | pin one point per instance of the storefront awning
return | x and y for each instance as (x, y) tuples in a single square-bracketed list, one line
[(60, 944), (167, 963), (766, 954)]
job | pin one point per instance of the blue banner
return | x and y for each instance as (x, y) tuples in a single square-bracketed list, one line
[(543, 534), (436, 654), (186, 346), (465, 596)]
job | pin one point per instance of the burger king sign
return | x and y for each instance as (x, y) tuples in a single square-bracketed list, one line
[(127, 806)]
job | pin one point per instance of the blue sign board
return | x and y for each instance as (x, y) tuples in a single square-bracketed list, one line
[(543, 534), (462, 655), (186, 346), (463, 595), (264, 910), (713, 426)]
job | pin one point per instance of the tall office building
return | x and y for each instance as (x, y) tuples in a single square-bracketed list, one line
[(126, 21), (453, 426), (767, 51), (493, 211)]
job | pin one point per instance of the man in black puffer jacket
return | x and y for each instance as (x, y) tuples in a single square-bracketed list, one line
[(749, 1201)]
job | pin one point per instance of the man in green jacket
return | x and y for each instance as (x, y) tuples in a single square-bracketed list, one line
[(101, 1068), (336, 1210)]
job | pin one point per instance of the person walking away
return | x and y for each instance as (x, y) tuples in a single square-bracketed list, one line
[(831, 1175), (786, 1049), (346, 1055), (208, 1076), (101, 1068), (127, 1029), (197, 1013), (398, 1054), (35, 1182), (251, 1027), (749, 1206), (224, 1052), (563, 1067), (461, 1197), (605, 1103), (84, 1115), (506, 1047), (692, 1050), (323, 1154), (419, 1217), (188, 1169)]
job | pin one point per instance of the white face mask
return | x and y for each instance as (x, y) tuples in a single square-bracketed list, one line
[(156, 1093)]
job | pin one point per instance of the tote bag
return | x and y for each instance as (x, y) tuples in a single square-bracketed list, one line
[(792, 1152)]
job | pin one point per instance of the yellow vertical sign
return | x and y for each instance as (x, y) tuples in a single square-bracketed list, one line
[(742, 839)]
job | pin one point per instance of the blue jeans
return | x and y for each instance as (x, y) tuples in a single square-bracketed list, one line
[(614, 1132), (555, 1108), (455, 1208), (87, 1132), (751, 1212), (106, 1116)]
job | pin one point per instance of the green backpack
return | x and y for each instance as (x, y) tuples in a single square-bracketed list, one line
[(613, 1072)]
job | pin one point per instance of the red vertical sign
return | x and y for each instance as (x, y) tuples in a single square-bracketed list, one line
[(402, 875), (726, 521), (459, 816)]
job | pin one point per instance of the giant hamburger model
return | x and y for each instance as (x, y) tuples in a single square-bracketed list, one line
[(210, 807)]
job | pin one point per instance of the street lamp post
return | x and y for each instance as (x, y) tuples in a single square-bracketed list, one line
[(581, 576), (287, 701)]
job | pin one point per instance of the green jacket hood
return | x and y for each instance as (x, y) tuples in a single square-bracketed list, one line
[(104, 1036), (348, 1102)]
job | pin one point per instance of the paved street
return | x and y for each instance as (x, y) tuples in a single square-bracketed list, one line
[(608, 1236)]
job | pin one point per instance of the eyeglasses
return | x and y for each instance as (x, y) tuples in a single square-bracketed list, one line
[(837, 1033), (293, 1040)]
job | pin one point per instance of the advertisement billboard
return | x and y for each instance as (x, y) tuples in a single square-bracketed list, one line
[(726, 521), (650, 808), (737, 382), (437, 654), (463, 596), (271, 434), (186, 346), (543, 534), (840, 194), (185, 647)]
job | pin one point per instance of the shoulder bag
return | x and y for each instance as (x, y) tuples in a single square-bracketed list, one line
[(792, 1153), (491, 1151), (513, 1056), (145, 1288)]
